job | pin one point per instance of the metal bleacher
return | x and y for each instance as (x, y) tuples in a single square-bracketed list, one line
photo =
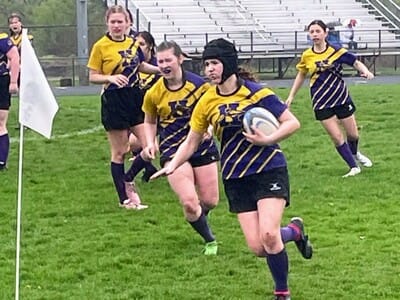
[(255, 26), (192, 23)]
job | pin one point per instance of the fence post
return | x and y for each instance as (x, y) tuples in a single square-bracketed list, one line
[(137, 19), (82, 38), (73, 71)]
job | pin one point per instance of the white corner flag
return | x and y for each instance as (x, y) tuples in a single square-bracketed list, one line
[(37, 104)]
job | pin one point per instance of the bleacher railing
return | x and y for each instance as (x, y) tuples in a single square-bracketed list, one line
[(387, 9), (283, 41)]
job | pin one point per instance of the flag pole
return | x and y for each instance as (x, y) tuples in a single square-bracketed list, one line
[(19, 210), (37, 108)]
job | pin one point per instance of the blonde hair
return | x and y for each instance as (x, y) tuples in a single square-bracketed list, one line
[(116, 9)]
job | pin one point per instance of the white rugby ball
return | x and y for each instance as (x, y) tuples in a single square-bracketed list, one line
[(262, 119)]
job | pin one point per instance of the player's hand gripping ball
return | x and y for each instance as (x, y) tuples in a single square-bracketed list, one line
[(261, 119)]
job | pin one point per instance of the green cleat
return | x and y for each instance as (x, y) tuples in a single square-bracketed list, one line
[(211, 248)]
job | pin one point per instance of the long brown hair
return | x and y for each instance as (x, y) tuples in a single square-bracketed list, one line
[(149, 39), (245, 72)]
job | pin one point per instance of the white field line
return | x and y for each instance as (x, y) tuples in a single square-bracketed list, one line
[(61, 136)]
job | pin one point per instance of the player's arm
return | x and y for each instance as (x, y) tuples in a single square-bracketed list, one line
[(209, 133), (298, 82), (97, 77), (363, 70), (185, 151), (288, 124), (148, 68), (150, 131), (13, 64)]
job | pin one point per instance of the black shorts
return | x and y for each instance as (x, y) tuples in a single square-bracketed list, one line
[(5, 96), (244, 193), (198, 161), (122, 108), (342, 112)]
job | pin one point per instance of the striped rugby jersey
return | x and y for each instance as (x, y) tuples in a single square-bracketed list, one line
[(239, 157), (5, 46), (173, 110), (326, 82), (116, 57)]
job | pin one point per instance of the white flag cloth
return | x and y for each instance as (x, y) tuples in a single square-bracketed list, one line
[(37, 104)]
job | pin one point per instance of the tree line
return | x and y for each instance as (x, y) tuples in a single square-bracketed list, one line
[(53, 23)]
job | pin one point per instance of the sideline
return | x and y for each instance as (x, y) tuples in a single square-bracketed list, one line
[(61, 136), (274, 83)]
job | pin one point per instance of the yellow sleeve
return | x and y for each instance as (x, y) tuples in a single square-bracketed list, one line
[(148, 106), (301, 66), (95, 59), (198, 120)]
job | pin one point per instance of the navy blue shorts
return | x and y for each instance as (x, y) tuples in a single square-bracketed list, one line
[(342, 112), (122, 108), (5, 96), (244, 193)]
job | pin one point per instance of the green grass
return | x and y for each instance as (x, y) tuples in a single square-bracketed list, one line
[(78, 244)]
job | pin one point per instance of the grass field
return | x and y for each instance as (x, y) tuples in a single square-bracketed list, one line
[(78, 244)]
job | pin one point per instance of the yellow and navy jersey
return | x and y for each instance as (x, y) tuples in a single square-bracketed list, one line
[(326, 80), (111, 57), (173, 109), (146, 81), (17, 39), (5, 46), (239, 157)]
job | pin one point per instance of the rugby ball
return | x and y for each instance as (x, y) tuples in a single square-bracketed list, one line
[(262, 119)]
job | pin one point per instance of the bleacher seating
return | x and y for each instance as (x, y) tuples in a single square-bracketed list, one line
[(255, 25)]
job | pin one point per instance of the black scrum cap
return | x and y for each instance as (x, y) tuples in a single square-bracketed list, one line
[(225, 52)]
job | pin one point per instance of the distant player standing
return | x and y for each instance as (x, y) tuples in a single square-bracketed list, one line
[(253, 166), (168, 105), (15, 26), (331, 100), (9, 73), (115, 61)]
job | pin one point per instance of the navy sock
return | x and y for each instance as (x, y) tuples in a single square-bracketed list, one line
[(117, 173), (150, 168), (138, 164), (4, 149), (279, 266), (345, 153), (288, 234), (201, 226), (353, 144)]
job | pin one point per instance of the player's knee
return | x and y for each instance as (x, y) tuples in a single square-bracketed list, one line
[(118, 156), (190, 206), (257, 248), (210, 203), (270, 239), (337, 140)]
